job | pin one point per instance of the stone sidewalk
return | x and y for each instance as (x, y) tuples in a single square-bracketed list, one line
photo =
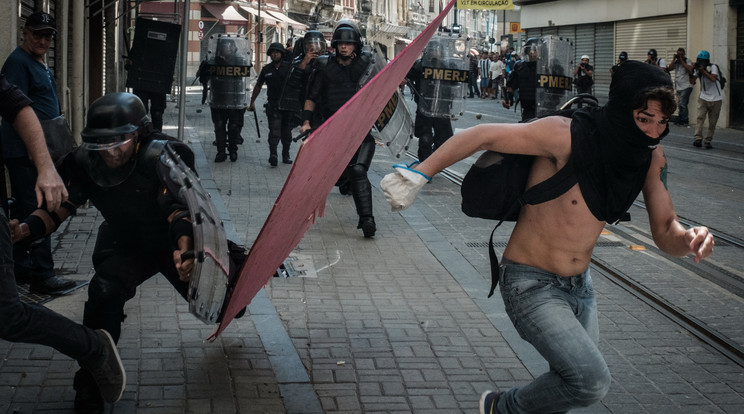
[(396, 324)]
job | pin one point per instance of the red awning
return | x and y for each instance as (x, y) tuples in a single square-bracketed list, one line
[(226, 14)]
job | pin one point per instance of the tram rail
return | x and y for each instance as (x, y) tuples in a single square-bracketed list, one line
[(704, 332)]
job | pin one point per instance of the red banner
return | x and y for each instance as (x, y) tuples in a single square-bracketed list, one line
[(322, 158)]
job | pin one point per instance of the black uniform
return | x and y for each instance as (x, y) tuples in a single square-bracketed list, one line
[(432, 132), (228, 122), (280, 122), (136, 240), (331, 86), (524, 79)]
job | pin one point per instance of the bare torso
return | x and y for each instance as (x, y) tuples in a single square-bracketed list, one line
[(559, 235)]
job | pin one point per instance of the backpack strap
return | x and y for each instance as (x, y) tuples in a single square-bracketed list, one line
[(547, 190)]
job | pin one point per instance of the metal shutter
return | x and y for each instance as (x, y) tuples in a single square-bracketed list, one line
[(665, 34), (603, 59)]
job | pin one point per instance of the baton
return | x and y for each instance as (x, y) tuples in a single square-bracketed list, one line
[(255, 118), (303, 135)]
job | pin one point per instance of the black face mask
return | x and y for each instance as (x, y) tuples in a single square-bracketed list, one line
[(611, 154)]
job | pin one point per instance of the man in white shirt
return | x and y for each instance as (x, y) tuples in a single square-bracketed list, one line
[(710, 100), (496, 73), (682, 67)]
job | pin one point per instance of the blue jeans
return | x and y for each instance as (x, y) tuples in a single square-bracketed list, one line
[(683, 96), (558, 316), (31, 323)]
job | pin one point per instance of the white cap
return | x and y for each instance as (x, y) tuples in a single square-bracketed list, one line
[(585, 57)]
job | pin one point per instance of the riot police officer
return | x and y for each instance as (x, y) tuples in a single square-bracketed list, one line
[(307, 50), (431, 131), (524, 80), (274, 74), (335, 80), (146, 227), (227, 92)]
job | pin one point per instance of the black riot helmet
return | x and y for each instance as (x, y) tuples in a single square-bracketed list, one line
[(314, 41), (114, 126), (346, 34), (347, 23), (276, 46)]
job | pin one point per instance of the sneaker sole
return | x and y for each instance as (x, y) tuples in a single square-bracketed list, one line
[(482, 402), (121, 367)]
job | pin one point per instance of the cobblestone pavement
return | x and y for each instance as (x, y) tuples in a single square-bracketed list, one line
[(399, 323)]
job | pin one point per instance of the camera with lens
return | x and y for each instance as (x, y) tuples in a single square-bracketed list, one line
[(700, 65)]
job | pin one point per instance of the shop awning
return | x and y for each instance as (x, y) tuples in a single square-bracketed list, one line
[(287, 20), (267, 18), (225, 13), (403, 40)]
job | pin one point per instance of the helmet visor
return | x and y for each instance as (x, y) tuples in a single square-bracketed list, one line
[(315, 45), (107, 143), (110, 161)]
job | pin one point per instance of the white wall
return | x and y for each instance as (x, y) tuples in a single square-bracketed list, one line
[(570, 12)]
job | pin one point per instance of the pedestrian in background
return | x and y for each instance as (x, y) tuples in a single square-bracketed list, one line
[(544, 277), (710, 100), (483, 64), (654, 60), (27, 69), (497, 73), (274, 74), (584, 76), (682, 67)]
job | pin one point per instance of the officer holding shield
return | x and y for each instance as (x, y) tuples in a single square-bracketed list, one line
[(431, 131), (228, 67), (119, 168)]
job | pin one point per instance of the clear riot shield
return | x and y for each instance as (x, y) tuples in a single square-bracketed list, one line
[(394, 126), (444, 80), (229, 67), (209, 279), (554, 73)]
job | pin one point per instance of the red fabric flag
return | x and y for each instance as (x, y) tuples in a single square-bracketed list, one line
[(321, 159)]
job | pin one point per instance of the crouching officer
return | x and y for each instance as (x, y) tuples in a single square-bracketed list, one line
[(274, 75), (336, 79), (119, 167)]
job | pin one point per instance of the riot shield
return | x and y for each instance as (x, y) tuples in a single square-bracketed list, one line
[(377, 61), (228, 67), (394, 126), (153, 56), (444, 78), (209, 279), (554, 66)]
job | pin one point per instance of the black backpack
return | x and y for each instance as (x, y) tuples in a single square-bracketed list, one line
[(721, 78)]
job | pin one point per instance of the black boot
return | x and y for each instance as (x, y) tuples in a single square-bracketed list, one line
[(368, 226), (286, 159), (220, 157)]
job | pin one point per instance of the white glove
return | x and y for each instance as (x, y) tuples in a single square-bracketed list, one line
[(402, 186)]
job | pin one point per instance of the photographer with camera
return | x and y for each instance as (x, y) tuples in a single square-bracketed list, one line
[(584, 76), (710, 100), (683, 81)]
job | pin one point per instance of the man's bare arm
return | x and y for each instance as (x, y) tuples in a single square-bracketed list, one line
[(49, 185), (548, 137), (668, 233)]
